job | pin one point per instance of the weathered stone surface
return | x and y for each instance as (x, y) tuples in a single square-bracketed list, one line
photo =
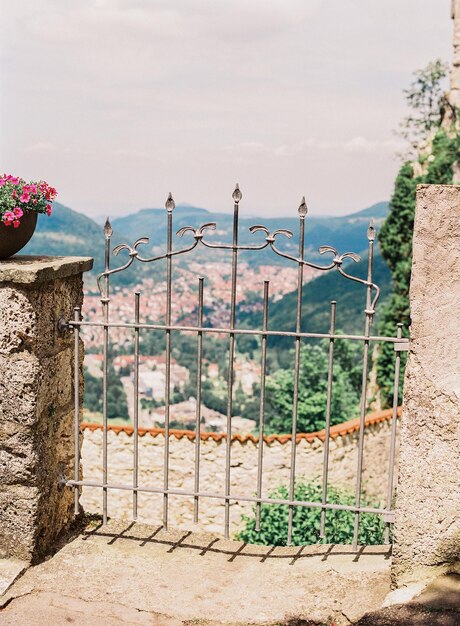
[(10, 569), (191, 576), (20, 375), (427, 528), (18, 458), (454, 93), (29, 315), (18, 515), (17, 319), (36, 400), (40, 608), (441, 593), (28, 269), (56, 382)]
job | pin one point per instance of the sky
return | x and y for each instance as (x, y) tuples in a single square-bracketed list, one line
[(117, 102)]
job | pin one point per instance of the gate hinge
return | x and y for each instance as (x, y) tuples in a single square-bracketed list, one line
[(62, 324)]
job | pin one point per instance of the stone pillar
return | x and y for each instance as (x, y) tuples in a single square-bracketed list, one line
[(427, 524), (36, 406), (454, 93)]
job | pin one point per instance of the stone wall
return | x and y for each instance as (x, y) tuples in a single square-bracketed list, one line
[(310, 451), (427, 525), (454, 93), (36, 400)]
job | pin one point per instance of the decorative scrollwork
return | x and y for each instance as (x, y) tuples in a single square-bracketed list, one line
[(198, 233), (132, 250), (271, 237)]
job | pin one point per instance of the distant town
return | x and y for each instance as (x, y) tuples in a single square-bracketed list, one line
[(152, 358)]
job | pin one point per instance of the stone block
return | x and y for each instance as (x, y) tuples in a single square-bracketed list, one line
[(36, 401), (56, 383), (17, 320), (18, 456), (18, 510), (20, 378), (34, 294), (427, 526)]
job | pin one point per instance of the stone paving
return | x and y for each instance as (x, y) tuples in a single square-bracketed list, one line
[(129, 573), (437, 605)]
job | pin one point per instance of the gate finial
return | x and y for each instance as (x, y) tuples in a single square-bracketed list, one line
[(237, 195), (303, 209), (108, 230), (371, 232), (170, 204)]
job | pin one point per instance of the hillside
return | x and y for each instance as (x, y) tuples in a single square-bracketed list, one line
[(67, 232), (317, 295), (316, 299), (378, 211), (341, 232)]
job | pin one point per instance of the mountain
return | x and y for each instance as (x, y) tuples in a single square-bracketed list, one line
[(318, 293), (67, 232), (316, 306), (378, 211), (347, 233)]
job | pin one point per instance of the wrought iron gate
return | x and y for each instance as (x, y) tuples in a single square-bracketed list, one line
[(198, 235)]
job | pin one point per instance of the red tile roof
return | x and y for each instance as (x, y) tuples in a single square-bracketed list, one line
[(339, 430)]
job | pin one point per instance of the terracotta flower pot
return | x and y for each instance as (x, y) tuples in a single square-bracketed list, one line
[(13, 239)]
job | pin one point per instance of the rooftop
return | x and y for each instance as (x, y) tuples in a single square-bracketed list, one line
[(339, 430)]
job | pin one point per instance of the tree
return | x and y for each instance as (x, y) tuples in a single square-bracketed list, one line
[(306, 521), (434, 165), (117, 403), (426, 100), (312, 393)]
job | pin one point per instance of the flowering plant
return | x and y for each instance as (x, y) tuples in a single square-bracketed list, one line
[(17, 197)]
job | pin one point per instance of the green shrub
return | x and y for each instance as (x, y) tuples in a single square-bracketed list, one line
[(306, 521)]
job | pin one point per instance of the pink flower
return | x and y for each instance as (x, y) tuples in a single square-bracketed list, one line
[(51, 193), (8, 218), (18, 212), (14, 194), (2, 182), (16, 224), (24, 197), (48, 209), (32, 188)]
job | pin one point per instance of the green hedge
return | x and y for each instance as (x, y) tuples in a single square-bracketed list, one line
[(306, 521)]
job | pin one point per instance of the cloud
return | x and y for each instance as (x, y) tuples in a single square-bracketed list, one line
[(356, 145), (247, 146), (40, 147), (192, 94), (360, 145)]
